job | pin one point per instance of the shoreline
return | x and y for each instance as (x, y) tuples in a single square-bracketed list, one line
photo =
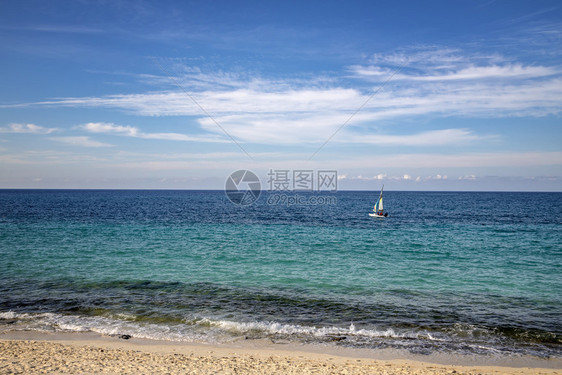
[(87, 352)]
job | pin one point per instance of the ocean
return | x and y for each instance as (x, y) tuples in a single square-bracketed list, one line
[(456, 272)]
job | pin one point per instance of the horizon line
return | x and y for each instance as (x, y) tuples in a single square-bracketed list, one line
[(286, 191)]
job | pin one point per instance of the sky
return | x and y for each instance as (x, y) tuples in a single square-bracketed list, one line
[(439, 95)]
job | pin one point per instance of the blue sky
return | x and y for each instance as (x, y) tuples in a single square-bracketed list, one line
[(452, 95)]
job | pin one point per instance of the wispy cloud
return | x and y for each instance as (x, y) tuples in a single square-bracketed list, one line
[(434, 63), (104, 127), (436, 82), (313, 129), (80, 141), (468, 73), (429, 138), (305, 100), (26, 128), (130, 131), (195, 79), (435, 57)]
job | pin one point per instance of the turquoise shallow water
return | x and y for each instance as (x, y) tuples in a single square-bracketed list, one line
[(460, 272)]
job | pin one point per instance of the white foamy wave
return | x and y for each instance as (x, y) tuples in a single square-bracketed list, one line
[(201, 329), (275, 328), (8, 315), (11, 315), (50, 322)]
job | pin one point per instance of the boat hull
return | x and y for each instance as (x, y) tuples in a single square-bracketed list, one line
[(376, 215)]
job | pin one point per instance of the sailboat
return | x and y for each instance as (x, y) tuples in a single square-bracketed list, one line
[(378, 208)]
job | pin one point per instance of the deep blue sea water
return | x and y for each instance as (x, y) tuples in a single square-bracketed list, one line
[(477, 273)]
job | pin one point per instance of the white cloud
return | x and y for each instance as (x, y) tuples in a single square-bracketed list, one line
[(438, 82), (195, 80), (180, 137), (423, 55), (26, 128), (370, 71), (291, 110), (130, 131), (126, 155), (316, 128), (430, 138), (104, 127), (467, 73), (80, 141), (220, 103), (488, 72)]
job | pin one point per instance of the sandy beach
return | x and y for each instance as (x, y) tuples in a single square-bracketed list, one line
[(40, 353)]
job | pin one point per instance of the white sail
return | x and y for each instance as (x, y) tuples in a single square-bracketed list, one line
[(379, 203), (378, 209)]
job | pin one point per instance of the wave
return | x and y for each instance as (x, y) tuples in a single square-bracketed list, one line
[(460, 339), (121, 324), (275, 328), (125, 324)]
